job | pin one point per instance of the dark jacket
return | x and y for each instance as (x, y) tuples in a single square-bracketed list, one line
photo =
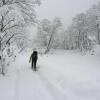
[(34, 56)]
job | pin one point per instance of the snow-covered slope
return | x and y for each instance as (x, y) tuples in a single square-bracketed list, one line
[(63, 75)]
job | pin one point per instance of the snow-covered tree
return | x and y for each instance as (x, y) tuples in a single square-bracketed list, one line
[(56, 24), (14, 16), (93, 15), (84, 25), (80, 26), (44, 30), (48, 33)]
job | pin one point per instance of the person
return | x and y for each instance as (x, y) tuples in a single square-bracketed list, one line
[(33, 59)]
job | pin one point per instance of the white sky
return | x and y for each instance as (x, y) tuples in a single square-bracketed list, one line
[(65, 9)]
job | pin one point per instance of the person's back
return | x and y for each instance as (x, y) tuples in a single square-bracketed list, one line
[(34, 57)]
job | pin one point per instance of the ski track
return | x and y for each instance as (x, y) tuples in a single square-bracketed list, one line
[(55, 91), (31, 87), (23, 91)]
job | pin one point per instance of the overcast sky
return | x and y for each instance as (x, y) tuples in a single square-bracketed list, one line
[(65, 9)]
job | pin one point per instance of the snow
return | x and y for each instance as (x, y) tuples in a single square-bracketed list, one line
[(61, 75), (96, 50)]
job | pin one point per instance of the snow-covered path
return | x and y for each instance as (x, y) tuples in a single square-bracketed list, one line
[(31, 87), (60, 76), (34, 85)]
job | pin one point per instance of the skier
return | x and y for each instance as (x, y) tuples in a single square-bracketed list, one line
[(34, 58)]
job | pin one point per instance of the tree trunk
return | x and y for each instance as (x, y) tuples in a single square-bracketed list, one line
[(79, 40), (1, 53), (98, 34), (48, 46)]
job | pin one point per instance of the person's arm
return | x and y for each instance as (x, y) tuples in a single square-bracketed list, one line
[(37, 55), (30, 58)]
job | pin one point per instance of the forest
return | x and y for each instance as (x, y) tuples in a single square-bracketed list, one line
[(82, 34), (68, 66)]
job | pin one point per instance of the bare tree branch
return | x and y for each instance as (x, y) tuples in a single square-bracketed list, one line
[(4, 35), (10, 27), (8, 23), (10, 38)]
